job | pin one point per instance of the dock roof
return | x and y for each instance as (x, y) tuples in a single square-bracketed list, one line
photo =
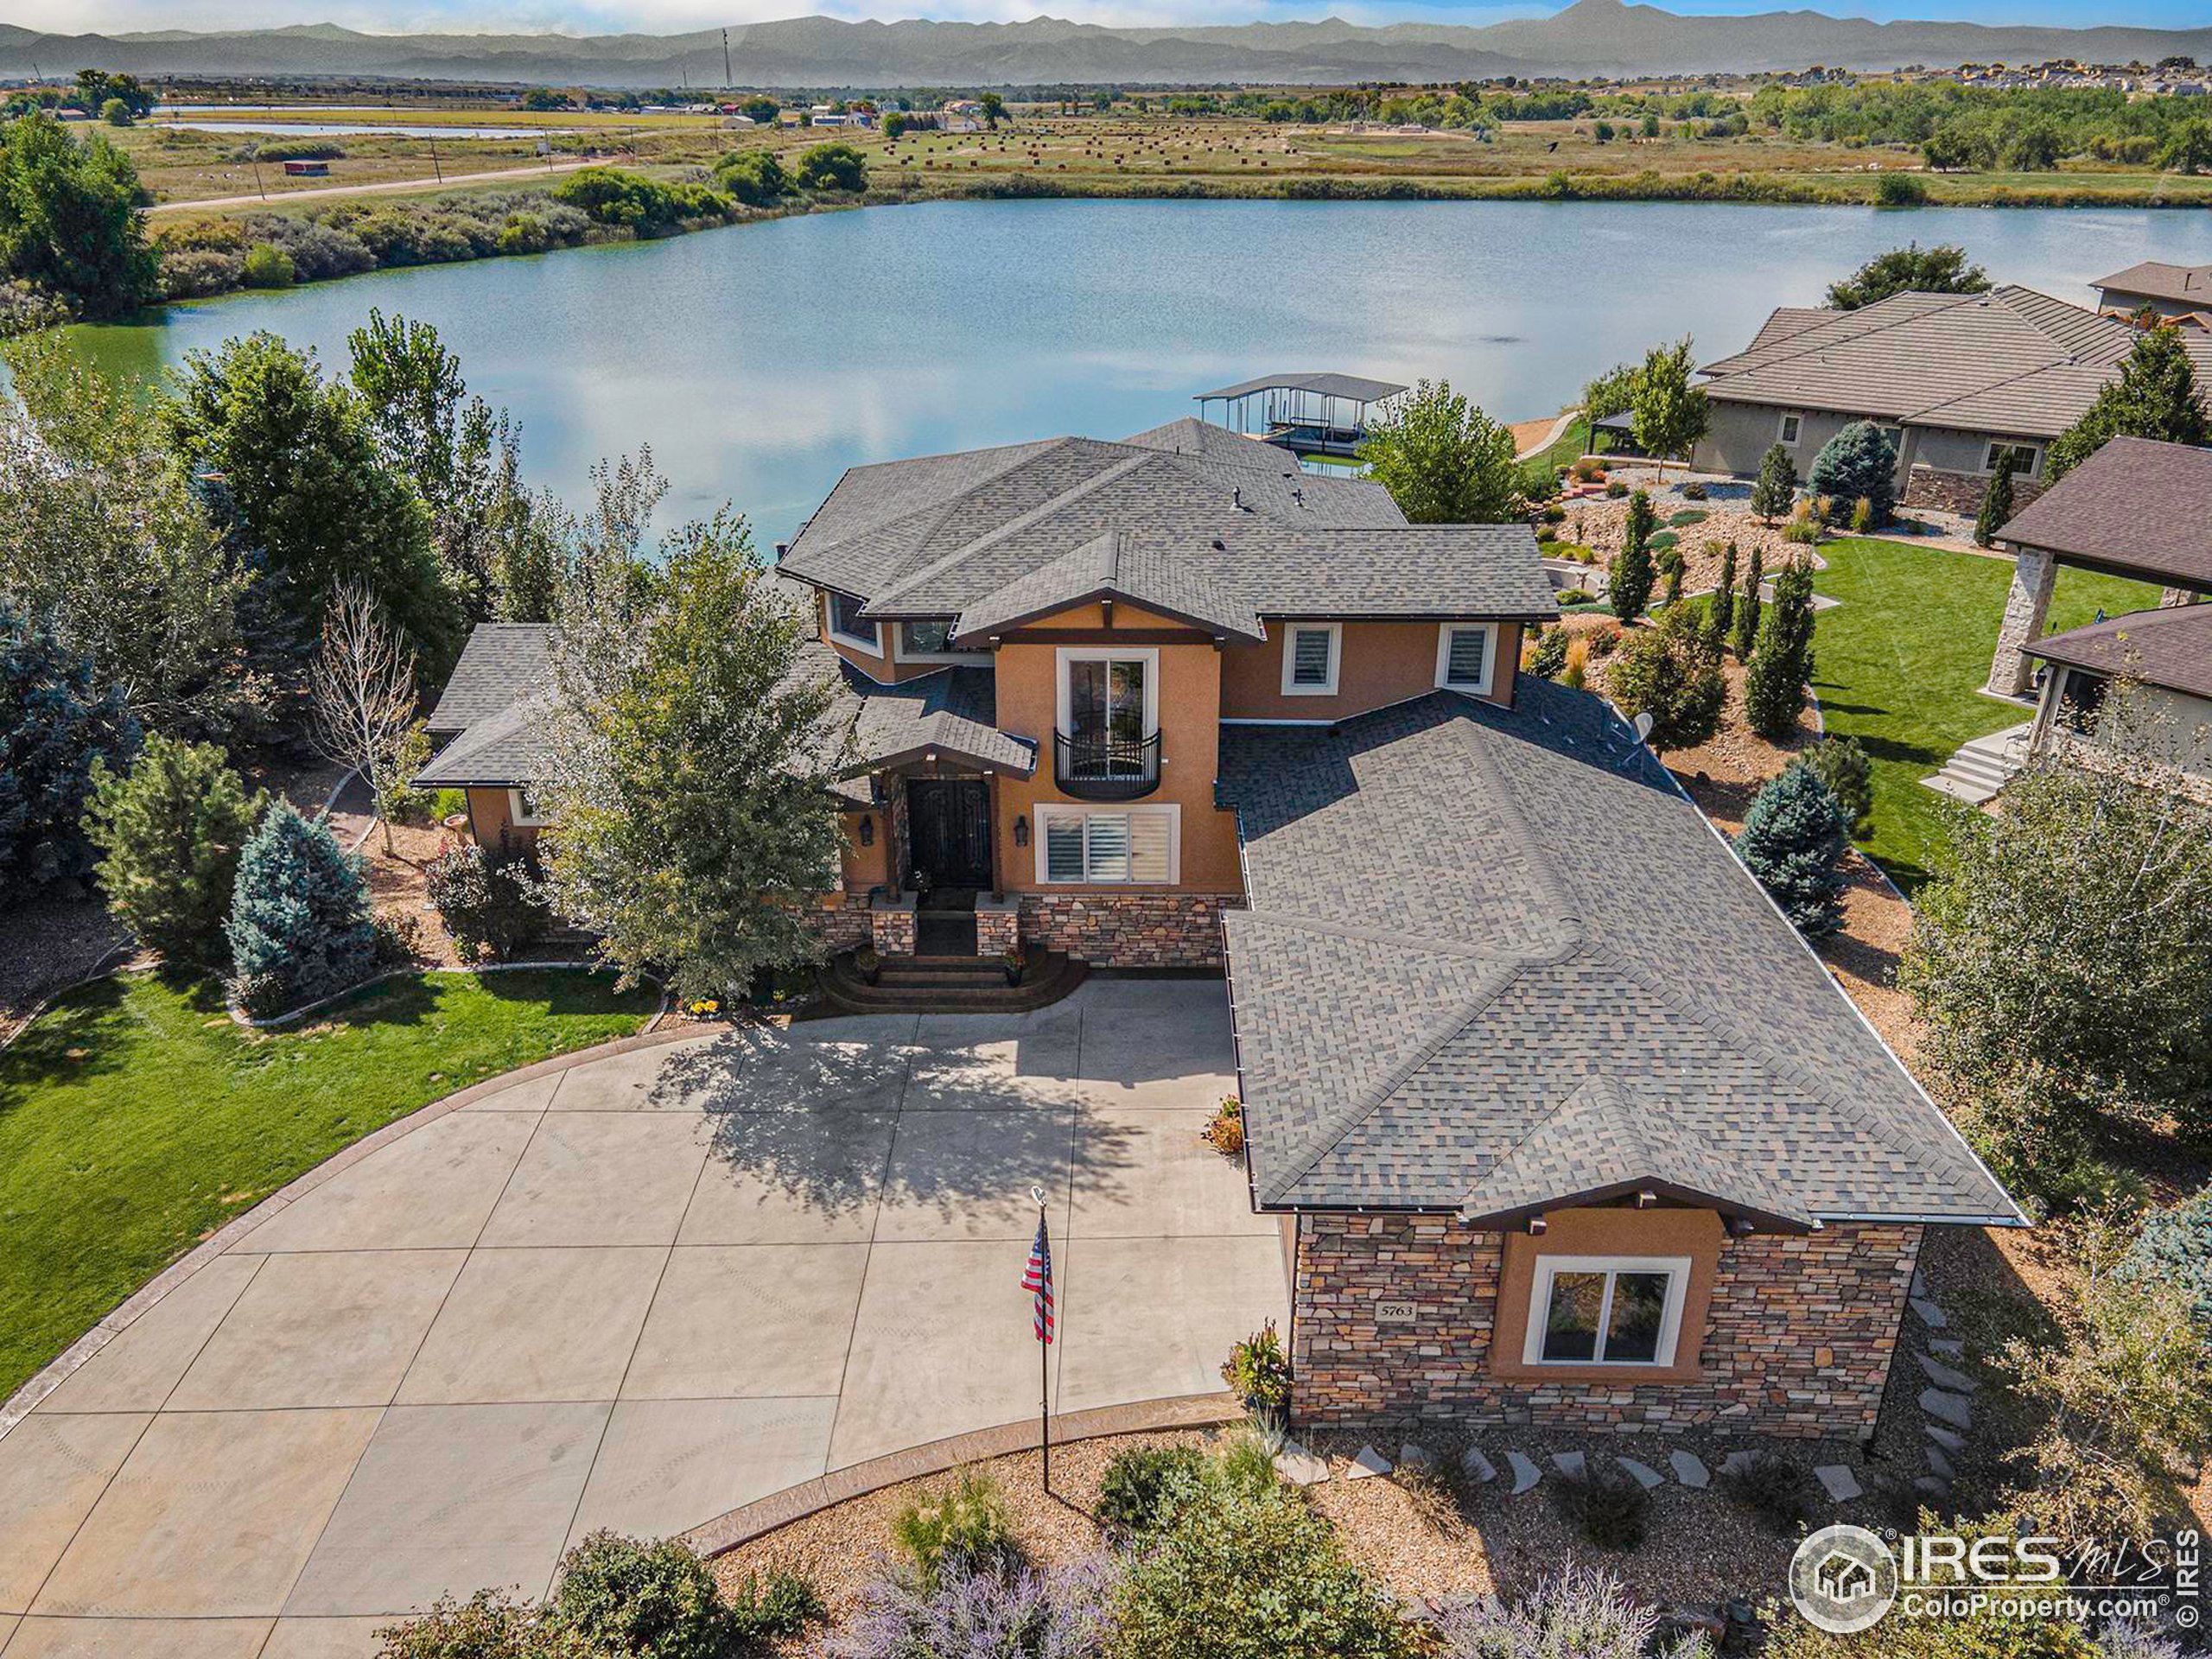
[(1322, 384)]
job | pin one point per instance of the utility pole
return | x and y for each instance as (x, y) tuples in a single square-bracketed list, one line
[(727, 81), (438, 171)]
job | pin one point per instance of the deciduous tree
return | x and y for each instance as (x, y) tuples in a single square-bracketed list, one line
[(1911, 269), (72, 218), (1444, 461), (1672, 412), (363, 698)]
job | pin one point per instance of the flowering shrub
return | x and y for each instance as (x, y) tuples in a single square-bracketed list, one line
[(995, 1612), (1586, 1614), (1258, 1371), (1224, 1132)]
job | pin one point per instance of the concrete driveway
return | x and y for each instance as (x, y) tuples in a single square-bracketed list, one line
[(636, 1295)]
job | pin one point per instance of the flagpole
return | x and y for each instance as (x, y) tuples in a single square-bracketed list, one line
[(1044, 1361)]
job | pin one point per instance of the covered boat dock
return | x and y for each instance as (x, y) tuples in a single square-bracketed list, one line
[(1320, 413)]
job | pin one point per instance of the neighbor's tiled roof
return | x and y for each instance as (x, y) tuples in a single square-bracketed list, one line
[(2183, 284), (1112, 566), (1494, 959), (2170, 648), (936, 538), (502, 663), (2011, 360), (2135, 507)]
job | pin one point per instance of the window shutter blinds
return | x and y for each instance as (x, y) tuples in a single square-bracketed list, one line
[(1310, 656), (1470, 648), (1064, 849), (1110, 847), (1150, 839)]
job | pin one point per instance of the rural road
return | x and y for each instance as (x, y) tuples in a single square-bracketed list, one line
[(387, 187)]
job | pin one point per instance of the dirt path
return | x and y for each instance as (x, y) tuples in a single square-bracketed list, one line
[(387, 187)]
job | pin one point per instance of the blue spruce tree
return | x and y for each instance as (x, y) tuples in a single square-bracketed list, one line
[(1793, 840), (55, 721), (299, 926)]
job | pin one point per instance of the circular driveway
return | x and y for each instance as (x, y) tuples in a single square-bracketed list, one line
[(636, 1294)]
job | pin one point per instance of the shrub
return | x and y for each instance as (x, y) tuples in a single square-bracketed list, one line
[(267, 265), (1614, 488), (1689, 516), (487, 1625), (1433, 1497), (1574, 672), (1224, 1131), (2176, 1244), (299, 927), (1550, 654), (1258, 1371), (772, 1607), (1579, 1614), (1143, 1487), (756, 177), (169, 832), (1669, 673), (1778, 1490), (1899, 190), (1664, 542), (1793, 840), (57, 723), (1607, 1505), (1862, 515), (963, 1526), (656, 1601), (1001, 1612), (488, 902), (833, 167), (1693, 491), (196, 273), (1842, 765), (1858, 461), (449, 804)]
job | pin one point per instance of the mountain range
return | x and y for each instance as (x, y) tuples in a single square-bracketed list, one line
[(1589, 38)]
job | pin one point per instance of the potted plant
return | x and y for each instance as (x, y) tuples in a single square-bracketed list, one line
[(1224, 1132), (867, 965), (1014, 963)]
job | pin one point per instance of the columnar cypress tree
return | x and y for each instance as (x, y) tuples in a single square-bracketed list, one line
[(1996, 508), (1720, 609), (299, 926), (1776, 489), (56, 724), (1782, 661), (1793, 841), (169, 831), (1632, 571), (1747, 612)]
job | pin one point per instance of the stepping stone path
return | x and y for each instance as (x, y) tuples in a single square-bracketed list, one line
[(1525, 1473), (1944, 1377), (1930, 1315), (1570, 1464), (1735, 1463), (1366, 1464), (1478, 1466), (1929, 1486), (1299, 1466), (1414, 1455), (1954, 1409), (1948, 1347), (1938, 1465), (1842, 1485), (1689, 1471), (1950, 1438), (1646, 1476)]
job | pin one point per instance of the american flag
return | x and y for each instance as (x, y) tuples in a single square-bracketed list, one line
[(1039, 1278)]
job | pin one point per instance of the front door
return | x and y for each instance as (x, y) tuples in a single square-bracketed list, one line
[(949, 830)]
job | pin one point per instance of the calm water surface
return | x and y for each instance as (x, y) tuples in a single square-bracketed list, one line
[(761, 361)]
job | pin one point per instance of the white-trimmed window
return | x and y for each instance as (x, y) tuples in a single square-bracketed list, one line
[(929, 639), (1792, 425), (523, 809), (1109, 691), (847, 628), (1463, 656), (2020, 459), (1135, 845), (1312, 654), (1605, 1310)]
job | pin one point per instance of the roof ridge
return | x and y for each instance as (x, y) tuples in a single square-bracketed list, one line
[(1433, 943), (1566, 906), (1042, 510), (1336, 1125)]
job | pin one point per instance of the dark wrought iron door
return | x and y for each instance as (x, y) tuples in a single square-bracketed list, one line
[(949, 822)]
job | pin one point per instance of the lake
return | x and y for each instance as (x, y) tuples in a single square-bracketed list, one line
[(759, 361)]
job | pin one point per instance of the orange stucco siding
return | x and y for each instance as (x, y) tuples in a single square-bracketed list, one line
[(883, 666), (863, 867), (490, 821), (1189, 706), (1378, 663)]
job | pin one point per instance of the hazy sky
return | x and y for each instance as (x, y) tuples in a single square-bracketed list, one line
[(598, 16)]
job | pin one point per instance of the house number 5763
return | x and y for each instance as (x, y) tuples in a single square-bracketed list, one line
[(1395, 1312)]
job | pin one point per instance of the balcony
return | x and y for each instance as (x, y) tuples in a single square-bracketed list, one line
[(1100, 766)]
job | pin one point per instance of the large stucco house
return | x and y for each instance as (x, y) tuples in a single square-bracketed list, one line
[(1562, 1121), (1962, 384)]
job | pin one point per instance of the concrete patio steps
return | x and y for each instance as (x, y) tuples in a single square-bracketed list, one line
[(948, 985), (1982, 766)]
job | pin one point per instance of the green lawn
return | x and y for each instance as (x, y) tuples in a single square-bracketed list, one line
[(1901, 662), (135, 1118)]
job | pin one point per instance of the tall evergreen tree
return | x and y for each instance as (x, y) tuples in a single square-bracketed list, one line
[(169, 831), (2154, 396), (1632, 568), (1781, 659), (1747, 608), (1996, 508), (1794, 842), (57, 723), (300, 927), (1858, 464), (1721, 608), (1776, 491)]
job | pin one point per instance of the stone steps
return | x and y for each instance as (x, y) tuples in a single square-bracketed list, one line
[(945, 985), (1981, 767)]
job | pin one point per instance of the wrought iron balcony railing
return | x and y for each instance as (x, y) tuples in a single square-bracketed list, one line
[(1100, 766)]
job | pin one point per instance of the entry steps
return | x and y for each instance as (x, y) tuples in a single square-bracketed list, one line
[(1983, 767)]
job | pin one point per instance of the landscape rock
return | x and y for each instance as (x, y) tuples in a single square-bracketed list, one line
[(1931, 1486), (1948, 1347), (1841, 1485), (1525, 1473), (1948, 1408), (1299, 1466), (1736, 1462), (1930, 1315), (1944, 1377), (1687, 1470), (1646, 1476), (1366, 1464), (1950, 1438), (1414, 1455), (1919, 1284), (1938, 1463), (1573, 1464), (1478, 1466)]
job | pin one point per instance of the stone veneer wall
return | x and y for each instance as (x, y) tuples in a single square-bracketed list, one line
[(1130, 930), (1798, 1337), (1947, 492), (998, 926), (841, 920)]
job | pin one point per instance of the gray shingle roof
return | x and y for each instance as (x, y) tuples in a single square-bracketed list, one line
[(503, 749), (1461, 916), (1192, 436), (2135, 507), (2170, 648), (502, 663), (1266, 541), (2011, 360), (1113, 566)]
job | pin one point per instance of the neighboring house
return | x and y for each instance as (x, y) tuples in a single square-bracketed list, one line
[(1563, 1122), (488, 726), (2166, 654), (1962, 384), (2135, 508), (2176, 291)]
